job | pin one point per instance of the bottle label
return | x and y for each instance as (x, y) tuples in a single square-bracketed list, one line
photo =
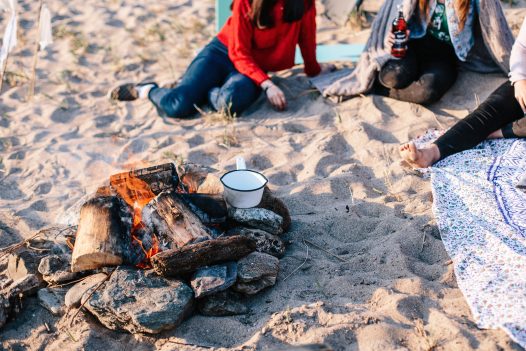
[(400, 39)]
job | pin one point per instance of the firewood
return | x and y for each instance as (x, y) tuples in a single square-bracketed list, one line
[(103, 236), (189, 258), (159, 178), (211, 209), (172, 220)]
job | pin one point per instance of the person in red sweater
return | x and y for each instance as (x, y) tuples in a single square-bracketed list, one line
[(232, 70)]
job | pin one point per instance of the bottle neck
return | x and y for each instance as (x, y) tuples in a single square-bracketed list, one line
[(400, 14)]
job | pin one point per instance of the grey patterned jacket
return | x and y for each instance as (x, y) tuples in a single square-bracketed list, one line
[(490, 53)]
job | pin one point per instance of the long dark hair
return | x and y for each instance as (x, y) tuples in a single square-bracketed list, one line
[(461, 8), (262, 16)]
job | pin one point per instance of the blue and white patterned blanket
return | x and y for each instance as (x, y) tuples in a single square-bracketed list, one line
[(482, 219)]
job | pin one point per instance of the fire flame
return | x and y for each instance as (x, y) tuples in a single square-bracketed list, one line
[(136, 193)]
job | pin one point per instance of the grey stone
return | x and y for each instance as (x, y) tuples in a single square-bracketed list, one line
[(209, 280), (224, 303), (23, 263), (75, 294), (56, 269), (52, 300), (140, 302), (265, 242), (258, 218), (12, 296), (256, 272)]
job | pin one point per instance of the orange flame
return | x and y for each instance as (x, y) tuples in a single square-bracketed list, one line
[(136, 193)]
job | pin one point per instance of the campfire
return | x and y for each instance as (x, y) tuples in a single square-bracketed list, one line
[(164, 233)]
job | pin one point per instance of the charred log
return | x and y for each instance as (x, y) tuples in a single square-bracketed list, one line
[(211, 209), (188, 259), (173, 221), (159, 178)]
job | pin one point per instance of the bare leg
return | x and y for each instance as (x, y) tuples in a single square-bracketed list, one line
[(420, 158)]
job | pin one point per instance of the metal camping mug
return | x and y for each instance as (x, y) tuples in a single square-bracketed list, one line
[(243, 187)]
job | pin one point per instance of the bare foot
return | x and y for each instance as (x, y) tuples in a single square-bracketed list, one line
[(420, 158), (496, 134)]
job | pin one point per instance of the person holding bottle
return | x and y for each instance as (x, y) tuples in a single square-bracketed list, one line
[(443, 35), (232, 70), (501, 115)]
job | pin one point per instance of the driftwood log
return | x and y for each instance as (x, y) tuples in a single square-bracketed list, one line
[(189, 258), (103, 235), (172, 220)]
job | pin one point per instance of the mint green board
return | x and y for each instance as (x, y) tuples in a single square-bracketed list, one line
[(324, 53)]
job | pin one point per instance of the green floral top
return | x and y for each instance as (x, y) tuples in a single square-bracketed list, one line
[(438, 26)]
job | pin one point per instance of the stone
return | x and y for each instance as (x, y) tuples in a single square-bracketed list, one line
[(256, 272), (75, 294), (52, 300), (12, 296), (141, 302), (56, 269), (265, 242), (209, 280), (23, 263), (224, 303), (258, 218)]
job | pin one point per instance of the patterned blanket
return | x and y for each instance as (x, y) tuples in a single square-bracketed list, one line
[(481, 215)]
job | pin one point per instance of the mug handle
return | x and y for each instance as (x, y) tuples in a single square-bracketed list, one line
[(240, 163)]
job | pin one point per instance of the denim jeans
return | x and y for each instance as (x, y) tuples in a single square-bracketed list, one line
[(210, 78)]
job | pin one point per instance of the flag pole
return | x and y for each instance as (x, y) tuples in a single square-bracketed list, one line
[(32, 83)]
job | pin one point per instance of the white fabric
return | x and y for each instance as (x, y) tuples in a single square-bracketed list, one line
[(46, 36), (481, 215), (9, 40), (518, 56)]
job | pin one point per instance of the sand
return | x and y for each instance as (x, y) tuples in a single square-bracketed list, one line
[(335, 166)]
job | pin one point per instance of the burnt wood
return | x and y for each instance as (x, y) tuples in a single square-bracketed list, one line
[(173, 221), (211, 209), (159, 178), (189, 258)]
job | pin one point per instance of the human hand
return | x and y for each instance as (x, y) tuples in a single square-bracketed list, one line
[(327, 68), (275, 95), (390, 39), (520, 93)]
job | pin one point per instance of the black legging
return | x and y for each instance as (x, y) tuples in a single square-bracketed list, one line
[(500, 110), (427, 71)]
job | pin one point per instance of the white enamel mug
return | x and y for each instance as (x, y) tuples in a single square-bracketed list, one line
[(243, 187)]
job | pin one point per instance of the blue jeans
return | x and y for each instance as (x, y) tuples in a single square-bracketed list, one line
[(211, 77)]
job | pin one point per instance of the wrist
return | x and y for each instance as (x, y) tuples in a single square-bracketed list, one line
[(265, 85)]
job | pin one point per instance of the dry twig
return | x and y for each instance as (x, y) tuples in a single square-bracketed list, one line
[(326, 251), (302, 264)]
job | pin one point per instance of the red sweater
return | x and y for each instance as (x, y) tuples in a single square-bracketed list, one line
[(256, 51)]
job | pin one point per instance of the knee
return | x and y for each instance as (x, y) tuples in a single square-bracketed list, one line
[(394, 76), (235, 100), (178, 104)]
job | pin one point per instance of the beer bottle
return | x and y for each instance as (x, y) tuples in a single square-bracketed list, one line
[(399, 30)]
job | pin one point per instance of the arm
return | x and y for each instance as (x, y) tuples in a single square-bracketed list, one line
[(307, 42), (239, 48), (518, 56)]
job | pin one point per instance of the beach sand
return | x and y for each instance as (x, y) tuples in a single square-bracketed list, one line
[(385, 281)]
